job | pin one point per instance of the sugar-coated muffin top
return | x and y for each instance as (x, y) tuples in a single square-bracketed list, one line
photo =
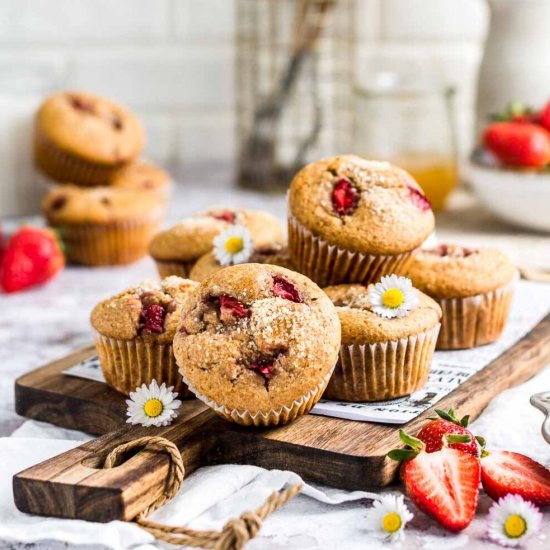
[(91, 127), (274, 254), (72, 204), (365, 206), (149, 311), (141, 175), (192, 237), (257, 337), (360, 325), (453, 271)]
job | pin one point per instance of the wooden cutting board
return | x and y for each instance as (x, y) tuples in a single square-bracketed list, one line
[(341, 453)]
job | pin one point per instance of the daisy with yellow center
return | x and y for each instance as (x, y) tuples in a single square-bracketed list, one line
[(233, 246), (388, 516), (152, 405), (512, 520), (393, 296)]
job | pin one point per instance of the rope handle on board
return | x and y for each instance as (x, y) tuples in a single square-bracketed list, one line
[(235, 533)]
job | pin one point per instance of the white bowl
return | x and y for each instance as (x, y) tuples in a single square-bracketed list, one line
[(519, 197)]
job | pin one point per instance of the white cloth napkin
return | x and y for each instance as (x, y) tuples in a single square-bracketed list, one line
[(321, 517)]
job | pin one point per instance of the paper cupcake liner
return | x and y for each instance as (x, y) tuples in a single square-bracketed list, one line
[(181, 269), (475, 320), (274, 417), (328, 264), (385, 370), (127, 364), (67, 168), (113, 243)]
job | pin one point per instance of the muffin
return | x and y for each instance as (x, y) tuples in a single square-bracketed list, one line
[(144, 176), (275, 254), (134, 333), (103, 225), (176, 249), (352, 220), (258, 343), (474, 288), (83, 138), (382, 357)]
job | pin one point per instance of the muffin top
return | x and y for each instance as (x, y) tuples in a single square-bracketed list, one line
[(275, 254), (361, 325), (91, 127), (141, 175), (257, 337), (149, 311), (72, 204), (453, 271), (192, 237), (360, 205)]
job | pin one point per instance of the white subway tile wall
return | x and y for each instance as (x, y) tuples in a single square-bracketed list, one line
[(172, 60)]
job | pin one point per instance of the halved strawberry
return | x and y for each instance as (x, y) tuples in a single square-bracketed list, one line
[(231, 309), (444, 484), (285, 289), (505, 472), (344, 197)]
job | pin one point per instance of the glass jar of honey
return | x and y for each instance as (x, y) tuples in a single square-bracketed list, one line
[(412, 125)]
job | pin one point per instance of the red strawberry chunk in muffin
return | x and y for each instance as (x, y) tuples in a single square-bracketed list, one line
[(286, 290), (152, 317), (419, 199), (231, 309), (224, 215), (344, 198)]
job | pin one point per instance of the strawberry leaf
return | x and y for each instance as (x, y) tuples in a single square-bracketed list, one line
[(413, 442), (456, 438), (402, 454), (465, 420)]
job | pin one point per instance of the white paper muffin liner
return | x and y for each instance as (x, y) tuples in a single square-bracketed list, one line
[(328, 264), (475, 320), (274, 417), (385, 370)]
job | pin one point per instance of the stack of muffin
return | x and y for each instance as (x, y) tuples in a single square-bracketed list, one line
[(334, 312), (107, 202)]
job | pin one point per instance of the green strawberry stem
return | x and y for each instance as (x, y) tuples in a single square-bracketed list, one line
[(450, 439), (414, 444)]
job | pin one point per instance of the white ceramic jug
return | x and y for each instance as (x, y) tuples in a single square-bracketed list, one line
[(516, 62)]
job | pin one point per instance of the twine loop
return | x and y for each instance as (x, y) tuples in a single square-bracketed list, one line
[(235, 533)]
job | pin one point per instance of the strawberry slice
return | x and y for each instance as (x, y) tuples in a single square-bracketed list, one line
[(231, 309), (444, 484), (286, 290), (505, 472), (344, 198)]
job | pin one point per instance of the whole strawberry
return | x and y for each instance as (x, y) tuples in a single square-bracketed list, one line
[(443, 431), (31, 257), (544, 116), (518, 143)]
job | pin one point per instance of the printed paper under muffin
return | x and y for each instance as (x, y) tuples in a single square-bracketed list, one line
[(180, 269), (328, 264), (381, 371), (127, 364), (475, 320)]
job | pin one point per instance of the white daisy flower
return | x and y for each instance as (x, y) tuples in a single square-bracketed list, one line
[(152, 405), (393, 296), (233, 246), (388, 516), (512, 520)]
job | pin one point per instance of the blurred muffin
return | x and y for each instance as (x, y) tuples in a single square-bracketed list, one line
[(83, 138), (176, 249), (103, 225), (144, 176), (352, 220), (258, 343), (474, 288), (134, 333), (389, 331)]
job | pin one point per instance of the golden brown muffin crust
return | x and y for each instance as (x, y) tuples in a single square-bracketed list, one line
[(79, 205), (91, 127), (141, 175), (389, 215), (453, 271), (124, 316), (250, 317), (360, 325)]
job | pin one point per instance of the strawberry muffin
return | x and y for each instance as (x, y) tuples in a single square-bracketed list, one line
[(258, 343), (144, 176), (389, 331), (103, 225), (176, 249), (134, 333), (352, 220), (474, 288), (84, 139)]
